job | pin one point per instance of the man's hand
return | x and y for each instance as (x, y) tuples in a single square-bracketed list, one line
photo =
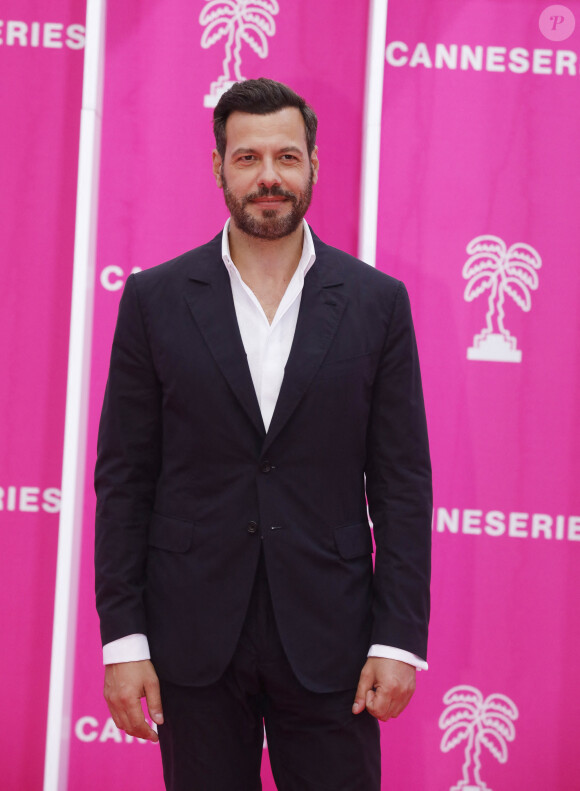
[(125, 684), (385, 687)]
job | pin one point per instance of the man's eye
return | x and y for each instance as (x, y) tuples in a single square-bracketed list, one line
[(288, 157)]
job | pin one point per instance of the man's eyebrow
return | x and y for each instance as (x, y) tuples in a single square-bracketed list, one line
[(243, 151), (286, 150)]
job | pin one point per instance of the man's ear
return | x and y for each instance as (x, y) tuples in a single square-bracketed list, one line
[(315, 164), (217, 167)]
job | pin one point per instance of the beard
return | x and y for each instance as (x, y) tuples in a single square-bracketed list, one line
[(270, 225)]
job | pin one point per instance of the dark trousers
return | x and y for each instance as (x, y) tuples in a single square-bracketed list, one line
[(212, 737)]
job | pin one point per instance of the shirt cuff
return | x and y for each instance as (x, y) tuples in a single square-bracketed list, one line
[(388, 652), (132, 648)]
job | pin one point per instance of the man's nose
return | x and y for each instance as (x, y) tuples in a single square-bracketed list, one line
[(268, 175)]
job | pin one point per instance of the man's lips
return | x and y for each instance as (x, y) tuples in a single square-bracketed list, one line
[(270, 201)]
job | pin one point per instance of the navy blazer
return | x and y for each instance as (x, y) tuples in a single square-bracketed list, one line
[(190, 485)]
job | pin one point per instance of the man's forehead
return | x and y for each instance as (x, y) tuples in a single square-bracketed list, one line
[(285, 124)]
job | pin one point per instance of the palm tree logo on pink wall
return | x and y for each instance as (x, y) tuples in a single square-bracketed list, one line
[(479, 723), (236, 21), (493, 267)]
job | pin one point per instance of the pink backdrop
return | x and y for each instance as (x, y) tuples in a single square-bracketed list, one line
[(41, 61), (479, 161), (158, 199), (467, 153)]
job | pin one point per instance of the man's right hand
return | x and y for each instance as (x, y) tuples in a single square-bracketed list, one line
[(125, 684)]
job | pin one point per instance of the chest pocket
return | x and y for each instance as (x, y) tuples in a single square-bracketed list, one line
[(348, 366)]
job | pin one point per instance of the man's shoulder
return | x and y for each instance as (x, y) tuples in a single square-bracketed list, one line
[(353, 270), (188, 264)]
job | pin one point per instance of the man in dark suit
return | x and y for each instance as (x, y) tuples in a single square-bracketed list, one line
[(260, 387)]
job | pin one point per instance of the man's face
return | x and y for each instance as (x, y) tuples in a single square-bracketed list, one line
[(266, 173)]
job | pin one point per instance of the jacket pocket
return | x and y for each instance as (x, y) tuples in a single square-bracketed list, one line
[(353, 541), (345, 367), (174, 535)]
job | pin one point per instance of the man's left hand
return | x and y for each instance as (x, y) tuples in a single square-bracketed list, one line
[(385, 687)]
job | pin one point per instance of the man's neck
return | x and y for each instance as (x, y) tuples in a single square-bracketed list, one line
[(261, 260)]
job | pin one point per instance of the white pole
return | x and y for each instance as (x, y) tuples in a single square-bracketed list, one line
[(77, 396), (371, 151)]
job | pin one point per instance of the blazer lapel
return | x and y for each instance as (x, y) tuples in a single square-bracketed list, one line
[(321, 308), (209, 296)]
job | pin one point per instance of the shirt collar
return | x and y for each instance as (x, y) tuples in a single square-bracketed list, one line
[(307, 258)]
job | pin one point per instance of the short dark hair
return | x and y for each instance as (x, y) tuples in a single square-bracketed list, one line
[(260, 97)]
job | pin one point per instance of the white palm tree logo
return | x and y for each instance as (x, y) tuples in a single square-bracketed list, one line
[(236, 21), (494, 268), (480, 723)]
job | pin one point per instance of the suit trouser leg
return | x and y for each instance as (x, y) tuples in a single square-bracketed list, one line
[(212, 737), (317, 744)]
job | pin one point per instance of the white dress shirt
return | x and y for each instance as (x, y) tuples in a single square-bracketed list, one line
[(267, 347)]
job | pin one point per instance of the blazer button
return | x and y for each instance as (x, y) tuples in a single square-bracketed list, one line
[(252, 527), (265, 466)]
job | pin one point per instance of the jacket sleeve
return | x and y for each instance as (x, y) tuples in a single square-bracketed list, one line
[(399, 494), (128, 464)]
